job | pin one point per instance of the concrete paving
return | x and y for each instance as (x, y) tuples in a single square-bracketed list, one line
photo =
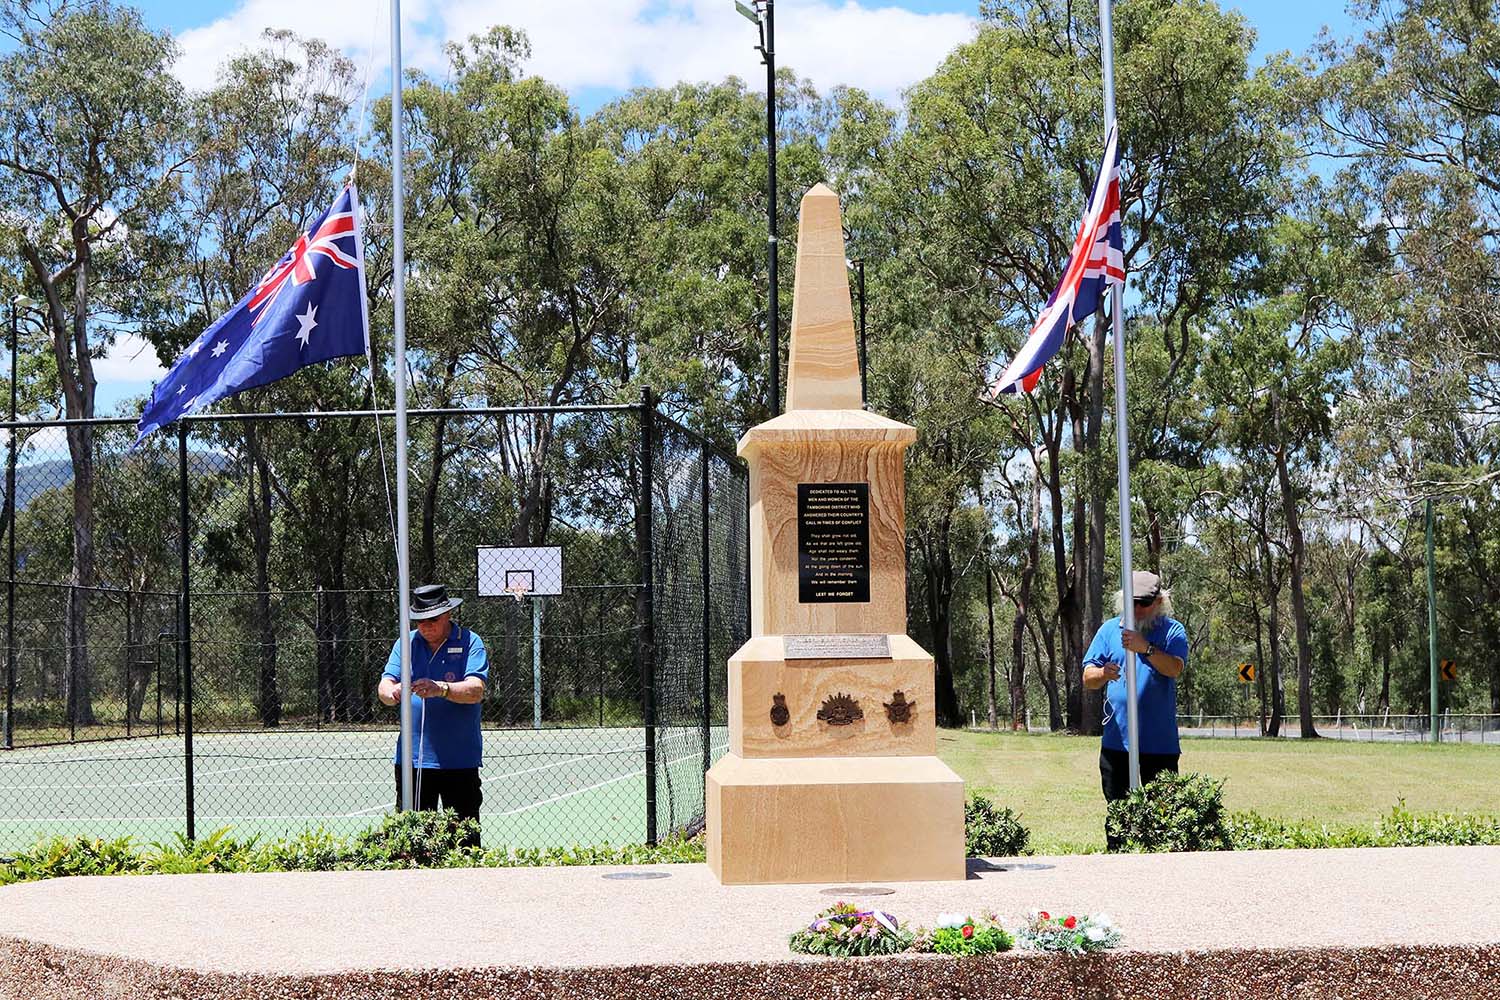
[(1397, 909)]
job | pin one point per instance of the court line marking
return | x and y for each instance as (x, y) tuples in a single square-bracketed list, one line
[(350, 815), (579, 791)]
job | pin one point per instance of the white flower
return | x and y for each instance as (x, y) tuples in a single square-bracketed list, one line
[(1103, 920), (1096, 934), (952, 919)]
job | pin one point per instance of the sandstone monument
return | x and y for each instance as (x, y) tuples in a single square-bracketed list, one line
[(831, 773)]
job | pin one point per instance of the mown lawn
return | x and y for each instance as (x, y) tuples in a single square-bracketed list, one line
[(1053, 781)]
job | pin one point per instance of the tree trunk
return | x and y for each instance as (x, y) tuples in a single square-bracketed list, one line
[(992, 711), (937, 569), (1299, 601), (1273, 639), (258, 490), (427, 567)]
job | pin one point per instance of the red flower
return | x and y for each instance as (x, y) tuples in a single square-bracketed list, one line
[(968, 931), (1046, 915), (1070, 923)]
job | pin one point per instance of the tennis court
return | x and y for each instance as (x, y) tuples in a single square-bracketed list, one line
[(542, 788)]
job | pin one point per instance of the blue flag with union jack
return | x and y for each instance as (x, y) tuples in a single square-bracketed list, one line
[(1097, 262), (308, 308)]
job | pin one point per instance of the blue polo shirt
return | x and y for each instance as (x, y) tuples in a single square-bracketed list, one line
[(444, 734), (1156, 693)]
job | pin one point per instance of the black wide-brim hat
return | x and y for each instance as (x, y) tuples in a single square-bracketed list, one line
[(432, 600)]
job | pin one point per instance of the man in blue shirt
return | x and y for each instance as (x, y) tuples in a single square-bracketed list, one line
[(449, 668), (1161, 647)]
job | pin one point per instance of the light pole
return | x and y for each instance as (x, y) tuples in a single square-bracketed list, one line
[(17, 304), (762, 13)]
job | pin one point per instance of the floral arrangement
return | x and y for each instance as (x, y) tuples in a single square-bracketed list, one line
[(844, 930), (1073, 935), (961, 934)]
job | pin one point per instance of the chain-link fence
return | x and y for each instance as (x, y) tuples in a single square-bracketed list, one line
[(152, 688)]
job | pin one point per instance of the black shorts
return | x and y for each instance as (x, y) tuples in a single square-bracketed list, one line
[(1114, 775), (1114, 770), (456, 788)]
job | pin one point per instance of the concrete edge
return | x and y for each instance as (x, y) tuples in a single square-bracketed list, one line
[(31, 971)]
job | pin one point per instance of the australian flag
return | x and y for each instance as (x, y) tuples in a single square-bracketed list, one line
[(1097, 262), (309, 308)]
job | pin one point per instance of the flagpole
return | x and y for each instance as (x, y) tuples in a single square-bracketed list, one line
[(398, 299), (1122, 435)]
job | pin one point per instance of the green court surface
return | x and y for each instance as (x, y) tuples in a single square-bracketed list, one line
[(542, 788)]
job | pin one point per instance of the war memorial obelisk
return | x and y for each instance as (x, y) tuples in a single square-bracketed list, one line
[(832, 773)]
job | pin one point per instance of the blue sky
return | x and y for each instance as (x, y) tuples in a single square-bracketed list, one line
[(599, 48)]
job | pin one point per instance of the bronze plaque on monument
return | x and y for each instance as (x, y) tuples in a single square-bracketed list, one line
[(833, 543)]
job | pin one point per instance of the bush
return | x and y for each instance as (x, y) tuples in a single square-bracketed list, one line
[(218, 852), (1173, 812), (60, 857), (416, 839), (1400, 828), (991, 831)]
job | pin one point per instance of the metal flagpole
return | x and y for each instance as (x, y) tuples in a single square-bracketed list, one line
[(1122, 437), (398, 298)]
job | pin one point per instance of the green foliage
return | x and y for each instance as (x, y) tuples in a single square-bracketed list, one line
[(992, 831), (983, 937), (60, 857), (1250, 831), (314, 850), (416, 839), (218, 852), (1172, 812)]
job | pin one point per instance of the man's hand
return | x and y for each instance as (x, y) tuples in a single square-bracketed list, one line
[(1134, 641), (1096, 675), (425, 688), (389, 691)]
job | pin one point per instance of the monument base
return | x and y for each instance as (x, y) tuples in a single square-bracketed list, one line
[(834, 819)]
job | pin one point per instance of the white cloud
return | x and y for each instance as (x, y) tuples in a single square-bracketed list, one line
[(130, 359), (614, 44)]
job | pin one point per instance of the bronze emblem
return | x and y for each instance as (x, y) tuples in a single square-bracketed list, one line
[(898, 709), (840, 710), (780, 716)]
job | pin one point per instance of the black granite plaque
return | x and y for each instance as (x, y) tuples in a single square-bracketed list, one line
[(833, 543)]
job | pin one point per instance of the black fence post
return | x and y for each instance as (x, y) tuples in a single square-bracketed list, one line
[(10, 544), (185, 630), (707, 625), (647, 542)]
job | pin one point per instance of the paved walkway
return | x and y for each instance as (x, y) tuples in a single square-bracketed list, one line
[(1283, 922)]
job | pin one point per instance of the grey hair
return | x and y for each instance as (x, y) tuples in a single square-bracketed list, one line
[(1165, 609)]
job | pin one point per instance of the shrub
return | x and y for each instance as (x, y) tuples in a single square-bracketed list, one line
[(1173, 812), (991, 831), (1400, 828), (218, 852), (314, 850), (960, 934), (60, 857), (416, 839)]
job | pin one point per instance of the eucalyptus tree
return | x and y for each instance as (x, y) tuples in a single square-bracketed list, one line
[(92, 119), (986, 184)]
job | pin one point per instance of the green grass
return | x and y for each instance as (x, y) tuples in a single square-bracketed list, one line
[(1053, 781)]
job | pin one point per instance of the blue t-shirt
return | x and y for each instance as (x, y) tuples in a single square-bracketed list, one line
[(449, 732), (1156, 693)]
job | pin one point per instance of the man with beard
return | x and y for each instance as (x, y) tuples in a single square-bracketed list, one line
[(1161, 647)]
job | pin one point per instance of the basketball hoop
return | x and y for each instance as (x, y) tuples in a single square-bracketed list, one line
[(518, 590)]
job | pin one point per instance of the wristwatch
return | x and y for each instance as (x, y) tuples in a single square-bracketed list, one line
[(1150, 650), (446, 688)]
